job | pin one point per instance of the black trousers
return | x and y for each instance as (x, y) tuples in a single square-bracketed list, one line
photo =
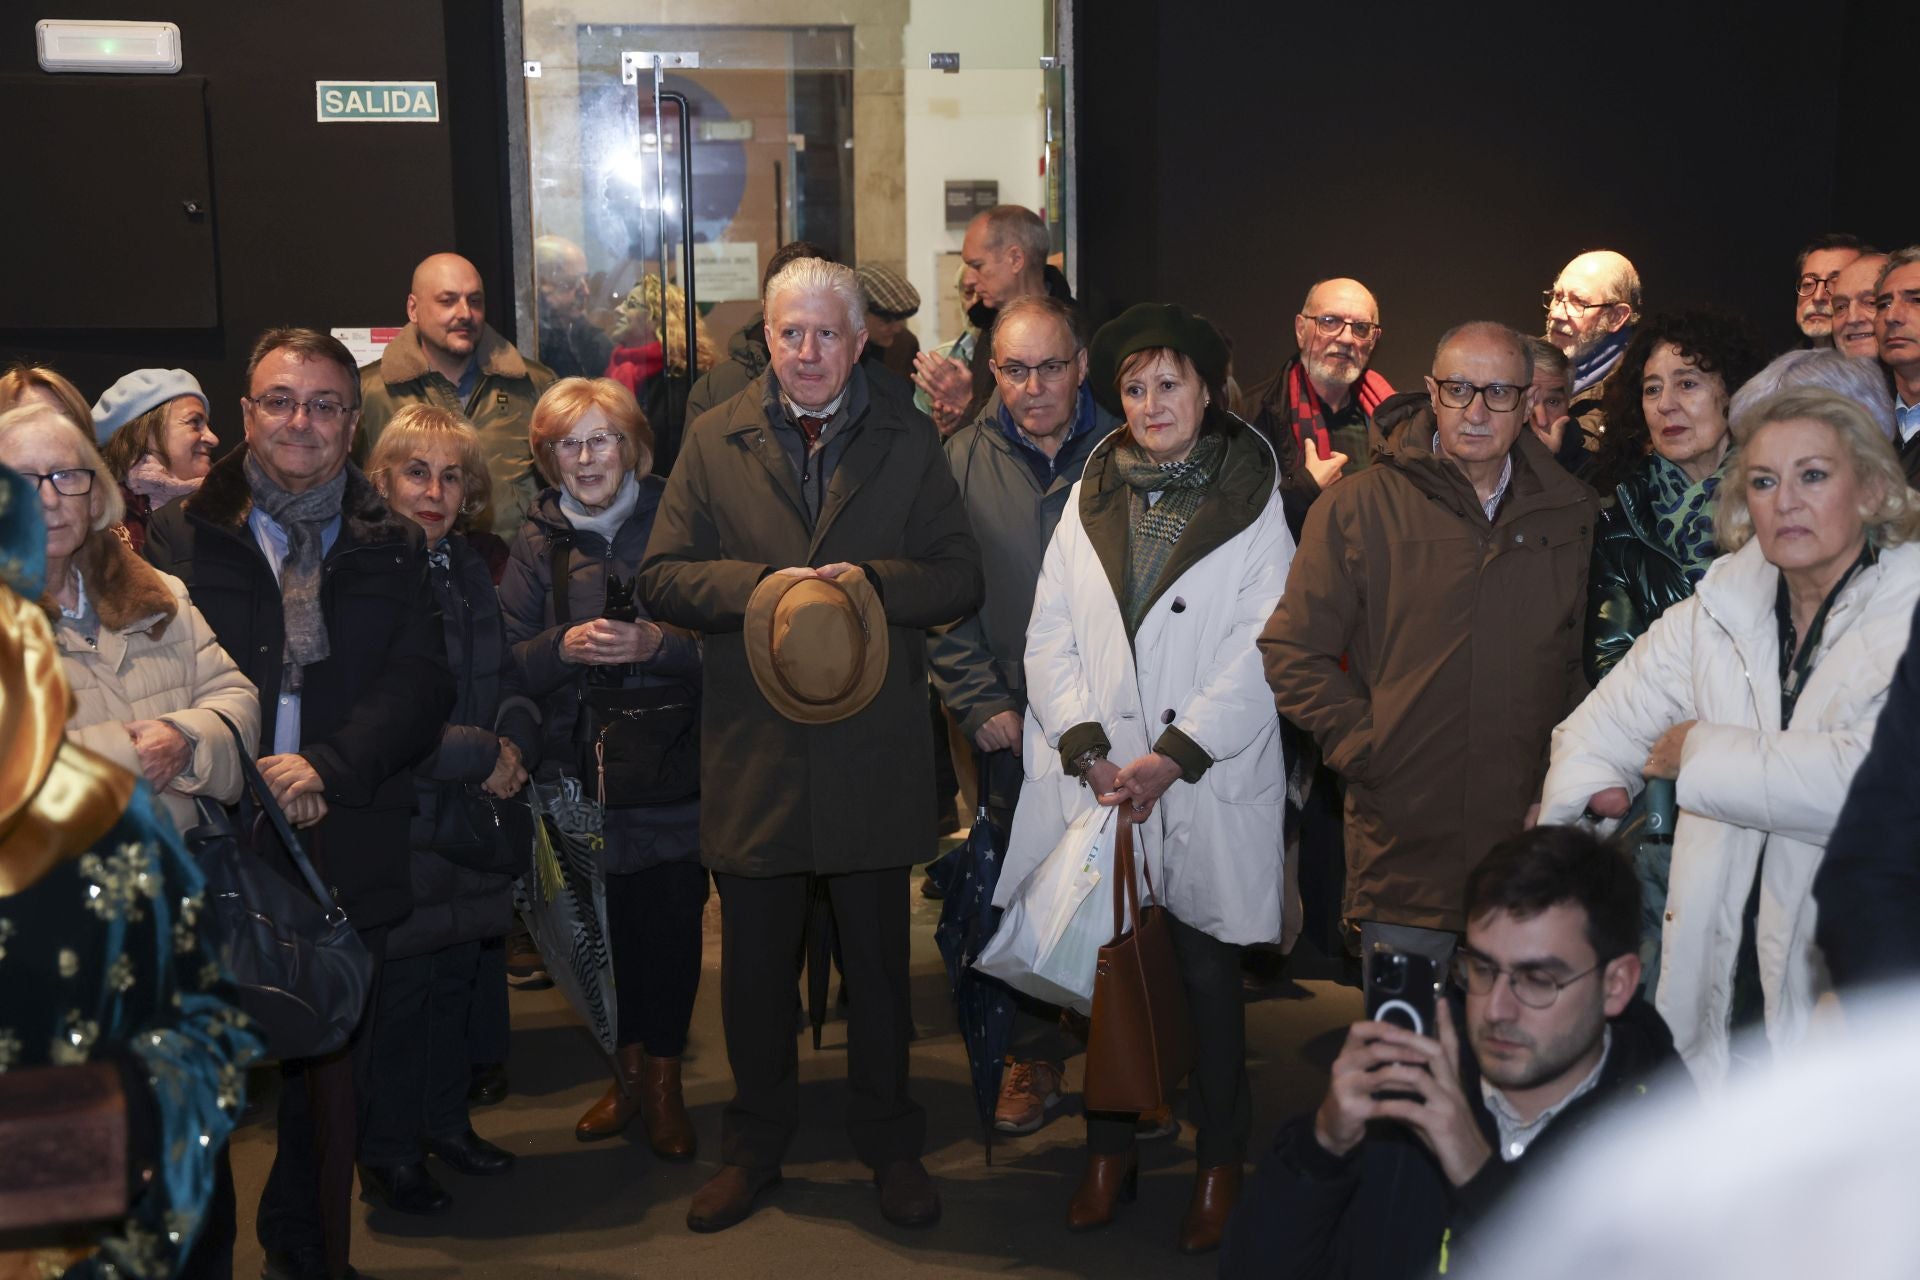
[(762, 923), (489, 1023), (1219, 1099), (655, 921), (307, 1202), (421, 1065)]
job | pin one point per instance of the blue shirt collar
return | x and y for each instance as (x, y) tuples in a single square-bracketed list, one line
[(1085, 418)]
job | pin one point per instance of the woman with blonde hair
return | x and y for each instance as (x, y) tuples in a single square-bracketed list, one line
[(1756, 698), (579, 631), (154, 434), (429, 466), (150, 680), (655, 369)]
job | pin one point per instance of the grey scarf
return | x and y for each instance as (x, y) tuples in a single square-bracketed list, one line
[(304, 516), (607, 521)]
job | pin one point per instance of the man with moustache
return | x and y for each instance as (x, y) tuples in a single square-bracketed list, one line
[(1897, 334), (571, 345), (1421, 1135), (1590, 313), (1816, 275), (1005, 252), (1016, 464), (1430, 634), (1318, 410), (1854, 292), (447, 355)]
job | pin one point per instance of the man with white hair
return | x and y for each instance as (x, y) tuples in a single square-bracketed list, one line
[(1590, 313), (814, 472), (1897, 331)]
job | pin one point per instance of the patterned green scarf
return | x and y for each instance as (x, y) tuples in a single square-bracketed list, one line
[(1683, 514), (1152, 531)]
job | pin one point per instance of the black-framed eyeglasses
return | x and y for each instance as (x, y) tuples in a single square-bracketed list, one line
[(1807, 286), (277, 406), (68, 482), (1552, 298), (1533, 986), (1015, 372), (1500, 396), (1330, 326)]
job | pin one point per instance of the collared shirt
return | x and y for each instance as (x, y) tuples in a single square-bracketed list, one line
[(813, 466), (1491, 504), (1516, 1135), (1046, 469), (469, 379), (1907, 418), (273, 545)]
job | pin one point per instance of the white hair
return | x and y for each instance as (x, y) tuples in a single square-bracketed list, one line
[(1858, 378), (815, 276), (111, 508)]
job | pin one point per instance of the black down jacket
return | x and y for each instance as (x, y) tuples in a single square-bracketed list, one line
[(1634, 578)]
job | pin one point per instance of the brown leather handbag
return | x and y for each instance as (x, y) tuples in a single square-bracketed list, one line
[(1140, 1042)]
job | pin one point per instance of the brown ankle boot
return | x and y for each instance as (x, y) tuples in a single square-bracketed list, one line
[(1215, 1192), (611, 1114), (1108, 1179), (669, 1127)]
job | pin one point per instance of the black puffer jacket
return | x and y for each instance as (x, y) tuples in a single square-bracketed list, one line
[(1386, 1211), (636, 838), (453, 904), (1634, 578)]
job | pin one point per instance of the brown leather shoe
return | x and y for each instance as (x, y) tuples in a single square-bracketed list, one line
[(907, 1197), (1108, 1180), (664, 1109), (615, 1109), (1215, 1192), (727, 1198)]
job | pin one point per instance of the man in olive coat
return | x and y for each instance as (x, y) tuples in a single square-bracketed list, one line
[(812, 471)]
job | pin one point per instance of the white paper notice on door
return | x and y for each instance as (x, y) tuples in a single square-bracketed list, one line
[(727, 272)]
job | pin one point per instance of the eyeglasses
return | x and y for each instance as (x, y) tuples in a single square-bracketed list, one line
[(70, 482), (599, 444), (1015, 372), (1330, 326), (1500, 396), (276, 406), (1552, 298), (1810, 285), (1533, 986)]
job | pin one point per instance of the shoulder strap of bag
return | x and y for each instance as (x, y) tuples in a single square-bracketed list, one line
[(1126, 894), (559, 552), (263, 795)]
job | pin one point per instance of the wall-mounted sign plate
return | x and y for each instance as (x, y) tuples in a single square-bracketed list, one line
[(377, 101)]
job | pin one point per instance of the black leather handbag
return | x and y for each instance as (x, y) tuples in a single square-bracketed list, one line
[(303, 973), (482, 832)]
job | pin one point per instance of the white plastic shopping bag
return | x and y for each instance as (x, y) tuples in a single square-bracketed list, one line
[(1050, 936)]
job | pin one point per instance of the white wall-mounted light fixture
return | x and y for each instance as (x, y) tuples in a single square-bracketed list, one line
[(139, 48)]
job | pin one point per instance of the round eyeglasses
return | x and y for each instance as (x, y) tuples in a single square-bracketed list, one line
[(1330, 326), (1807, 286), (1533, 986)]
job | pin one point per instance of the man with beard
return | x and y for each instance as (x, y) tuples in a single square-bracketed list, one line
[(1005, 252), (1317, 411), (1555, 1038), (571, 345), (1816, 276), (449, 356), (1854, 290), (1590, 313)]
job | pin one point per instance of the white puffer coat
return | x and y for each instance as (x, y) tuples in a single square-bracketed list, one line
[(155, 659), (1214, 848), (1750, 792)]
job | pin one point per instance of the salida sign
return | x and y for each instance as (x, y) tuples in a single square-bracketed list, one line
[(377, 101)]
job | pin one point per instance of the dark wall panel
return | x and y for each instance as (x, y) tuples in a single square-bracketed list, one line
[(1453, 157), (314, 224)]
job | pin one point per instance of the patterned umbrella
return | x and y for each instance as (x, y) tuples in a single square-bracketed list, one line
[(983, 1005), (564, 902)]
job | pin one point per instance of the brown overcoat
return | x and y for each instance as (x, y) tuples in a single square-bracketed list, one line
[(1431, 652), (779, 797)]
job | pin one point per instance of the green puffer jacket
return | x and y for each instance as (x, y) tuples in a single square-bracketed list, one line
[(1634, 577), (500, 409)]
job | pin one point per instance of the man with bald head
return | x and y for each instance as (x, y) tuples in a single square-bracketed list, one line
[(1429, 637), (449, 356), (1590, 313), (1317, 411), (570, 344)]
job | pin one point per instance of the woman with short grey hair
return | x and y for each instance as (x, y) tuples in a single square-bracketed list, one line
[(1862, 381)]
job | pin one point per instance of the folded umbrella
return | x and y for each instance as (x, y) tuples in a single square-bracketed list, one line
[(983, 1006)]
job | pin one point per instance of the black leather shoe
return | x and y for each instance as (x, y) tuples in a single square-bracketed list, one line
[(907, 1197), (489, 1084), (404, 1188), (470, 1154)]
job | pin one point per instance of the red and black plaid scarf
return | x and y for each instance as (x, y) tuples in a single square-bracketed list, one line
[(1307, 413)]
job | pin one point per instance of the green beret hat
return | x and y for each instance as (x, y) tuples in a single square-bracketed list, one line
[(1143, 327)]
